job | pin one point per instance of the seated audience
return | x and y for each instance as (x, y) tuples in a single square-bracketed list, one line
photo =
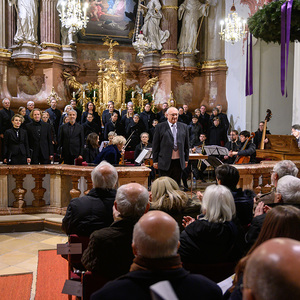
[(296, 133), (155, 243), (214, 237), (281, 221), (109, 252), (91, 149), (86, 214), (229, 176), (112, 153), (167, 196), (287, 193), (272, 271), (16, 146)]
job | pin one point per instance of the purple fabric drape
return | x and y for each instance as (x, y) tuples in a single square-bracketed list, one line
[(249, 68), (286, 16)]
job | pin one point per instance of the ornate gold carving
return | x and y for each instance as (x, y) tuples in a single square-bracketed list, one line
[(5, 53), (169, 52), (169, 7), (52, 45), (168, 62), (52, 95), (211, 64), (171, 100)]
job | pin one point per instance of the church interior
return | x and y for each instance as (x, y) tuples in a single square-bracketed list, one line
[(155, 51)]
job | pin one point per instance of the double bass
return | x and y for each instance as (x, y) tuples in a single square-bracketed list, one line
[(240, 159), (267, 119)]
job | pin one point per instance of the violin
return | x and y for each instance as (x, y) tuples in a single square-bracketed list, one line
[(244, 159)]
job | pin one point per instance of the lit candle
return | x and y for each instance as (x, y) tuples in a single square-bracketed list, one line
[(142, 96), (83, 94), (63, 10), (152, 97), (73, 94), (222, 24), (132, 94), (94, 94)]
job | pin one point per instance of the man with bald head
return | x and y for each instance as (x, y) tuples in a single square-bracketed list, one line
[(170, 146), (109, 252), (86, 214), (272, 272), (155, 244)]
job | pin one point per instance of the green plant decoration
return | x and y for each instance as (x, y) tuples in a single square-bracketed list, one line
[(266, 22)]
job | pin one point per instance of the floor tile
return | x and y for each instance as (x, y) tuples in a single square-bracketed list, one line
[(15, 257), (30, 264), (33, 248), (56, 240), (4, 237), (15, 244), (13, 270)]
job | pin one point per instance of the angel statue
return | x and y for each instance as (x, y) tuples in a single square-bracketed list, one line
[(154, 35)]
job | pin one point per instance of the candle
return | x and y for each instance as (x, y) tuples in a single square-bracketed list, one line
[(222, 24), (152, 97), (83, 94), (142, 96), (94, 94), (63, 10), (132, 94), (73, 94)]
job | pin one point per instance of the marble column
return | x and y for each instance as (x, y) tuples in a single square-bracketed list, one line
[(213, 64), (2, 24), (169, 22), (49, 30), (11, 25)]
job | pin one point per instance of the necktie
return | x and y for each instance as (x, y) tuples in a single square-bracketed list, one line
[(175, 137)]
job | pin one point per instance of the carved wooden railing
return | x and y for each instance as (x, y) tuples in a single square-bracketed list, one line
[(64, 183)]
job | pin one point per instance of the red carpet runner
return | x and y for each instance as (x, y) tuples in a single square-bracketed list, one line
[(51, 275), (15, 287)]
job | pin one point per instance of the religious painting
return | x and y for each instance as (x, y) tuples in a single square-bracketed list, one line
[(113, 18)]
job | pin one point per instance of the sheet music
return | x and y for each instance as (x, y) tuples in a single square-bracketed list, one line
[(146, 153)]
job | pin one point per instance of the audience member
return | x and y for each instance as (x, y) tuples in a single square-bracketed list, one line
[(94, 211), (112, 153), (296, 133), (39, 138), (281, 221), (214, 237), (229, 176), (166, 196), (91, 149), (16, 147), (272, 272), (109, 252), (155, 243), (71, 139)]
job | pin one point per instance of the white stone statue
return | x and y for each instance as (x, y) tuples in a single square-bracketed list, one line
[(67, 35), (153, 34), (191, 11), (27, 20)]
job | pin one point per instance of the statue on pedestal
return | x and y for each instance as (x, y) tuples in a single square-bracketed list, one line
[(154, 35), (27, 20), (190, 11)]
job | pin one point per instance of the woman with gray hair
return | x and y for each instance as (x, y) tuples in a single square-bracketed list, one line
[(214, 237), (167, 196)]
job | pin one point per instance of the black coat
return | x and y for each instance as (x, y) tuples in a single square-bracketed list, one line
[(249, 151), (40, 144), (96, 120), (217, 135), (106, 115), (86, 214), (136, 129), (147, 118), (55, 116), (89, 153), (71, 145), (194, 132), (5, 120), (135, 286), (111, 154), (204, 121), (210, 243), (89, 127), (16, 149), (116, 127), (183, 119)]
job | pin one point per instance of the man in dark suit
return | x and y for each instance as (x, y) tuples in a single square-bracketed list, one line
[(71, 139), (40, 139), (171, 146), (54, 114)]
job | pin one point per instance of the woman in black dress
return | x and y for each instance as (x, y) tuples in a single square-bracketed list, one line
[(16, 147), (91, 149)]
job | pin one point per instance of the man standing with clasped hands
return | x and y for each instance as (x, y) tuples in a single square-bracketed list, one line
[(170, 146)]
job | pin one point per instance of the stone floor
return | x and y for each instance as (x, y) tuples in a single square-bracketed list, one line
[(19, 251)]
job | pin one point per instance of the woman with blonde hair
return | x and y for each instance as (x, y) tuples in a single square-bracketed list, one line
[(166, 196)]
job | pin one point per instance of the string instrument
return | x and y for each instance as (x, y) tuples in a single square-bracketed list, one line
[(122, 161), (267, 119), (244, 159)]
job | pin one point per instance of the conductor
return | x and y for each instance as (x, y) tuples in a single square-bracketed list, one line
[(170, 146)]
